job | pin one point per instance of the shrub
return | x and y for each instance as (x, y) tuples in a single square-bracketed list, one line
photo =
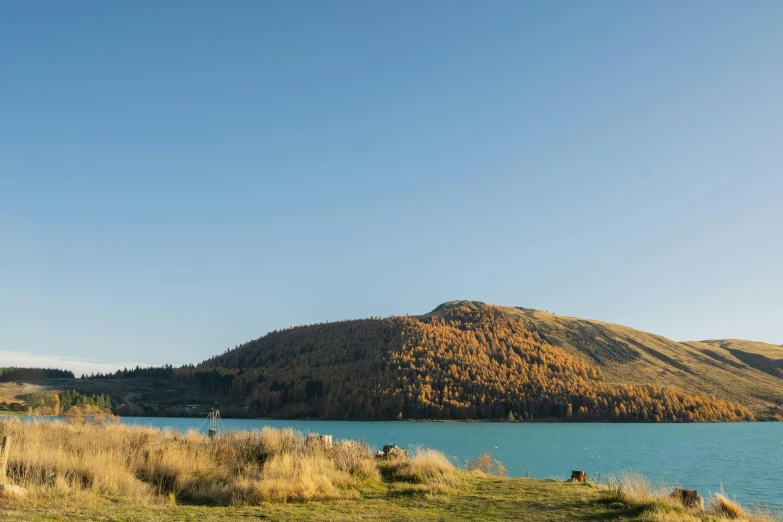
[(485, 463), (425, 466)]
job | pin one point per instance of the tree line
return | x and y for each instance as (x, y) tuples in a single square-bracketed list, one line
[(164, 372), (13, 374), (68, 403)]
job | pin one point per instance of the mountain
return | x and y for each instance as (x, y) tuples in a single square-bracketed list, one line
[(470, 360)]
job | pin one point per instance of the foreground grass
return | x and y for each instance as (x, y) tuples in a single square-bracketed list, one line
[(80, 471), (475, 498)]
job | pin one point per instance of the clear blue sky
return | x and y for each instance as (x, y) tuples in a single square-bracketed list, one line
[(180, 177)]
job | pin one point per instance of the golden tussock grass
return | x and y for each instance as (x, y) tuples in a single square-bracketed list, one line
[(659, 505), (637, 488), (84, 462), (426, 466), (721, 505)]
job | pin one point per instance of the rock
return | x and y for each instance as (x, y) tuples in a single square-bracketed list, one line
[(13, 492), (391, 451), (689, 498), (578, 476)]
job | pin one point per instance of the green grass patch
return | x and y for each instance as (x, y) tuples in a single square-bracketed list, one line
[(479, 498), (5, 411)]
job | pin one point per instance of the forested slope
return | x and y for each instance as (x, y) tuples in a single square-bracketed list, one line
[(466, 360), (742, 371)]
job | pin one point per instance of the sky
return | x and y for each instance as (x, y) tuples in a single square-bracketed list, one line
[(180, 177)]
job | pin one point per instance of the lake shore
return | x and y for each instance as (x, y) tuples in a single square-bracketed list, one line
[(693, 455), (79, 470)]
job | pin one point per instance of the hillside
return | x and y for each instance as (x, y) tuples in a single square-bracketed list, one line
[(765, 357), (468, 360), (747, 372), (16, 384)]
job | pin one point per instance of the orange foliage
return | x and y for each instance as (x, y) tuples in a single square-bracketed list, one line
[(468, 364)]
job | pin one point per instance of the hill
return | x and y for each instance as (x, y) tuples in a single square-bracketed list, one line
[(18, 383), (747, 372), (765, 357), (469, 360)]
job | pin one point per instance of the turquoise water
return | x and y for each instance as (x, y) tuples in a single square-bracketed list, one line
[(744, 457)]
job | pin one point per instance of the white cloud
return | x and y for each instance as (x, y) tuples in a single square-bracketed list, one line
[(77, 366)]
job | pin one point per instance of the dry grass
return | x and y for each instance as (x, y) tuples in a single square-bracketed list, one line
[(658, 505), (426, 466), (636, 488), (658, 514), (722, 506), (83, 462)]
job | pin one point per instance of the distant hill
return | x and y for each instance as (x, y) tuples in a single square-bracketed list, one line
[(469, 360), (765, 357)]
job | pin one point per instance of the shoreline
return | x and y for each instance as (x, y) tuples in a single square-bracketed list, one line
[(280, 474), (425, 421)]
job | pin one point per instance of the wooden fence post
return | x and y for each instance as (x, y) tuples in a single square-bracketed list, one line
[(6, 446)]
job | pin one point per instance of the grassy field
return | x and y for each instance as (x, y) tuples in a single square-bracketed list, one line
[(10, 395), (11, 392), (79, 471), (478, 498)]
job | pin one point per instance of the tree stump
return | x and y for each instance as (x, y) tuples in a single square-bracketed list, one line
[(578, 476), (689, 498), (323, 441)]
